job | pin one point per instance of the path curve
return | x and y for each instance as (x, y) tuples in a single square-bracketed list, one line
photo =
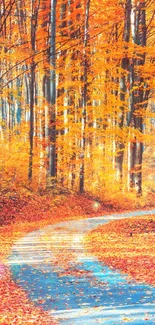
[(59, 275)]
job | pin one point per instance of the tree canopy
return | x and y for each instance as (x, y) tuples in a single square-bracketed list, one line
[(77, 94)]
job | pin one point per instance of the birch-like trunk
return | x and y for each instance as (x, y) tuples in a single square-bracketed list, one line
[(138, 96)]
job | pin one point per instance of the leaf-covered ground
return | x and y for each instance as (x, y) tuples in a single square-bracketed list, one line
[(15, 307), (127, 245), (19, 216)]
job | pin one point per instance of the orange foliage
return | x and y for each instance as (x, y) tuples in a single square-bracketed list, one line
[(19, 216), (127, 245), (16, 308), (104, 52)]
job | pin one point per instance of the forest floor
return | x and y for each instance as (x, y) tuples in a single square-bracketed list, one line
[(127, 245), (22, 214)]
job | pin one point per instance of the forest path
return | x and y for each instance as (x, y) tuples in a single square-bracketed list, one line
[(58, 274)]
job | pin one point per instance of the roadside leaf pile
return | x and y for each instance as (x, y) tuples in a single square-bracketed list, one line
[(127, 245)]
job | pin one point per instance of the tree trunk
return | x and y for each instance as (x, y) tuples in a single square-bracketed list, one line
[(34, 21), (131, 164), (32, 84), (120, 145), (138, 96), (52, 98), (19, 108), (85, 95)]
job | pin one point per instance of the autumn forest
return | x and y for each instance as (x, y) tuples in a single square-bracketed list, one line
[(77, 94), (77, 162)]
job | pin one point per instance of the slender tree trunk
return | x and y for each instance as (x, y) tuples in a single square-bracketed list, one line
[(138, 167), (32, 84), (52, 95), (131, 163), (138, 96), (120, 145), (34, 22), (19, 106), (73, 103), (61, 95), (85, 95)]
